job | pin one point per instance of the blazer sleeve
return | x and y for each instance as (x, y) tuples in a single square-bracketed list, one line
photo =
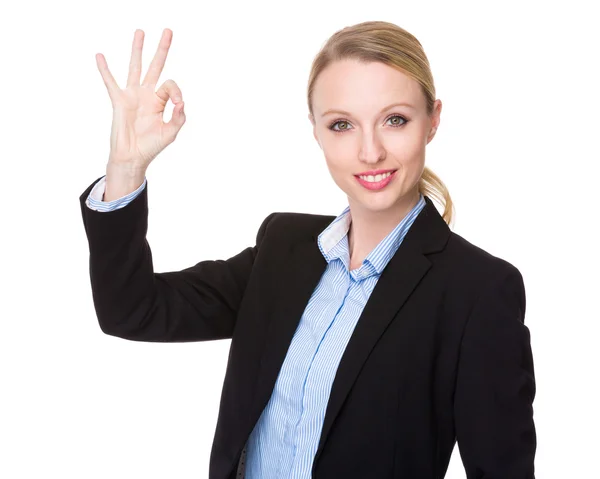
[(133, 302), (495, 386)]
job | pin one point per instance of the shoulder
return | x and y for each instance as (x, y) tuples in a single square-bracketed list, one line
[(295, 226), (476, 267), (463, 249)]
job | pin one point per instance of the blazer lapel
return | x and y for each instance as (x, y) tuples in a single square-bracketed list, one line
[(299, 276), (429, 233), (290, 288)]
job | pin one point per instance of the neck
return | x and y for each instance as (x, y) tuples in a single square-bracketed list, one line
[(368, 228)]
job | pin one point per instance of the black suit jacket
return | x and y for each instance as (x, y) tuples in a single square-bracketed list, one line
[(440, 353)]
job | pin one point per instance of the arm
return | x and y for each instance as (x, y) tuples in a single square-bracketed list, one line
[(495, 386), (133, 302)]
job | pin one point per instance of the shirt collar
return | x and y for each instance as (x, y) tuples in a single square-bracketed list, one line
[(333, 240)]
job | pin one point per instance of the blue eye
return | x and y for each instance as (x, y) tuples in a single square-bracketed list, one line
[(397, 125)]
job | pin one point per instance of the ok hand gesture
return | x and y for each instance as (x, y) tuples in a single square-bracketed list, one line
[(138, 132)]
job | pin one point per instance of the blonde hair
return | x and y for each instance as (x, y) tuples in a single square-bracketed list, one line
[(392, 45)]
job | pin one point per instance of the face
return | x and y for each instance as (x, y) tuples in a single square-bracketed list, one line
[(366, 133)]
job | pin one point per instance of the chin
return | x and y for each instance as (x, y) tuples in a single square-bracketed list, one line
[(377, 206), (376, 201)]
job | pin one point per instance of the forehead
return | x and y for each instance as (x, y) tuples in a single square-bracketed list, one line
[(355, 86)]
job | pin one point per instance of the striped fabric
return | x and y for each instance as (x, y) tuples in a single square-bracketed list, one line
[(94, 199), (285, 438)]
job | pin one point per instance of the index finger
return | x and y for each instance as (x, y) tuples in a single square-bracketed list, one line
[(158, 62)]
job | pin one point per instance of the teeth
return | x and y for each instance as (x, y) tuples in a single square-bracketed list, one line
[(376, 178)]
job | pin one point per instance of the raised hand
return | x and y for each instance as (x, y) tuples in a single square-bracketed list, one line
[(138, 132)]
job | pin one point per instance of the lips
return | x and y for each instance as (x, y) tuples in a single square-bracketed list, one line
[(376, 185), (374, 172)]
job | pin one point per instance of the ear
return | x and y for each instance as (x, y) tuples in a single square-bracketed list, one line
[(435, 119)]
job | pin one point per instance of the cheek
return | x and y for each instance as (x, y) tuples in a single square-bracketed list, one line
[(337, 169), (405, 145), (336, 149), (408, 154), (340, 169), (339, 158)]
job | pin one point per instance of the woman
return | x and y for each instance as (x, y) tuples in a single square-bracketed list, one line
[(364, 345)]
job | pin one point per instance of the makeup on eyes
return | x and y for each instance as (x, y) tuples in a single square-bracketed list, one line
[(341, 120)]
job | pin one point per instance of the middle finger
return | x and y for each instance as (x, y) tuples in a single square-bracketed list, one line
[(135, 64)]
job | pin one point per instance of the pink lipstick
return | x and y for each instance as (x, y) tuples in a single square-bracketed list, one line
[(376, 185)]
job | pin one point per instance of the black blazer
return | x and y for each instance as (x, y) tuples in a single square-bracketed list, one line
[(440, 353)]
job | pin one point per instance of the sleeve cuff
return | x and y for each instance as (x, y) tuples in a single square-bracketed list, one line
[(94, 199)]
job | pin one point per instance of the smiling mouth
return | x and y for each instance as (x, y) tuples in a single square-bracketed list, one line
[(376, 178), (376, 182)]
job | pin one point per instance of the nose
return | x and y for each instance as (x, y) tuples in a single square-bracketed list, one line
[(372, 150)]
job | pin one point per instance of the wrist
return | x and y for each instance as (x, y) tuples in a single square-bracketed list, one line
[(122, 179)]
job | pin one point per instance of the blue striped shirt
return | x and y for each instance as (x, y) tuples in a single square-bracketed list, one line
[(285, 438), (94, 199)]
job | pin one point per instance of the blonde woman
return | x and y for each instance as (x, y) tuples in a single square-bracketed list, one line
[(363, 345)]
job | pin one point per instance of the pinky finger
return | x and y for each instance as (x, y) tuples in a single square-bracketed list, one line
[(109, 81)]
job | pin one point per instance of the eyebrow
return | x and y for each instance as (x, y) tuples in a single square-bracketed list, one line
[(332, 110)]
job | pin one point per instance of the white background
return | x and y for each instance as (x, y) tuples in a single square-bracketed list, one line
[(517, 147)]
